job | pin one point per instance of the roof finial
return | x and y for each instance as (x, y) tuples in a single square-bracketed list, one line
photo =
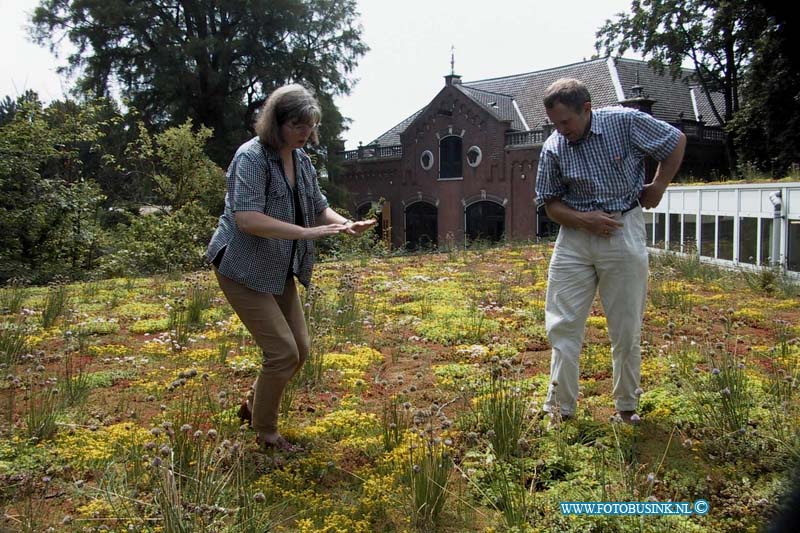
[(638, 90), (452, 59)]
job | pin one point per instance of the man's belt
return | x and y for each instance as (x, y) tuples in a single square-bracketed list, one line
[(631, 208)]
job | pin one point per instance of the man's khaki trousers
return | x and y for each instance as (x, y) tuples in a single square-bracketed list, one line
[(582, 264)]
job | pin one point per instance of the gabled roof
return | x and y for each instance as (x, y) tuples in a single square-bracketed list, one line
[(672, 96), (500, 105), (392, 136), (704, 107), (518, 98), (527, 89)]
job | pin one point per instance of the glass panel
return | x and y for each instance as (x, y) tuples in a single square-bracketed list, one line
[(766, 243), (648, 228), (660, 229), (707, 235), (689, 234), (675, 232), (725, 248), (794, 246), (748, 233)]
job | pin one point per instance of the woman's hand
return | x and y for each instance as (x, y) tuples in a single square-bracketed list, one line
[(357, 228), (318, 232)]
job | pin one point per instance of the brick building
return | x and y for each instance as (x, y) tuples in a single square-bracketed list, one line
[(464, 166)]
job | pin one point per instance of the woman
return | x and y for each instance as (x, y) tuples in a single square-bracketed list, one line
[(274, 210)]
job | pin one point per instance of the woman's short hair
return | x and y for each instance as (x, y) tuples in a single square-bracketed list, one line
[(570, 92), (290, 103)]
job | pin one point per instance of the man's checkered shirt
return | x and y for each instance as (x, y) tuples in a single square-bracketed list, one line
[(255, 182), (605, 170)]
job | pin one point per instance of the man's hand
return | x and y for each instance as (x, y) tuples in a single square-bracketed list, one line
[(599, 223), (596, 222), (651, 195), (357, 228)]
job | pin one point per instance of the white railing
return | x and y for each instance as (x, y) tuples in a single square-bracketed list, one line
[(730, 224)]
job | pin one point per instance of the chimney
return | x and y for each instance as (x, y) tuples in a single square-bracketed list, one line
[(452, 79), (639, 100)]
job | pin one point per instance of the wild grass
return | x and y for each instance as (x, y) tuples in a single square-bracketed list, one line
[(501, 410), (515, 501), (179, 326), (198, 299), (718, 387), (11, 297), (687, 265), (771, 281), (55, 304), (13, 335), (76, 383), (332, 321), (670, 295), (41, 414), (428, 470), (394, 422)]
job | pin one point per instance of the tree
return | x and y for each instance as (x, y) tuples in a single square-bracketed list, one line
[(767, 128), (9, 106), (48, 208), (212, 61), (180, 170), (718, 36)]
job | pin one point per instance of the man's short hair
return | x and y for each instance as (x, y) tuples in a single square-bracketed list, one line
[(570, 92)]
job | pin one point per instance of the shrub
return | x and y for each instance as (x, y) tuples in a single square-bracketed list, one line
[(48, 208), (161, 243)]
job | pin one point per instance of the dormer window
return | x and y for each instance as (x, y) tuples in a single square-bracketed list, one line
[(450, 157)]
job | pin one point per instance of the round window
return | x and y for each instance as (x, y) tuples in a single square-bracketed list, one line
[(426, 159), (474, 156)]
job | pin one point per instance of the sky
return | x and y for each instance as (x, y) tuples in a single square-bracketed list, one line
[(410, 50)]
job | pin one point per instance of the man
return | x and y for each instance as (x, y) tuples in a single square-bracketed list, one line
[(591, 182)]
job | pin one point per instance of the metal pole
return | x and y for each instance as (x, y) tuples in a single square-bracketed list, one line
[(777, 204)]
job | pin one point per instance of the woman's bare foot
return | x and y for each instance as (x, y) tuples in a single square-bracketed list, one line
[(276, 441)]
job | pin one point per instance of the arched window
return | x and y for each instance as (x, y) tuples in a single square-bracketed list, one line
[(421, 226), (450, 157), (486, 221)]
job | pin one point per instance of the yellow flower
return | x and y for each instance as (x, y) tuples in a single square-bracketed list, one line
[(85, 449), (109, 350), (98, 508), (345, 423), (598, 322)]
